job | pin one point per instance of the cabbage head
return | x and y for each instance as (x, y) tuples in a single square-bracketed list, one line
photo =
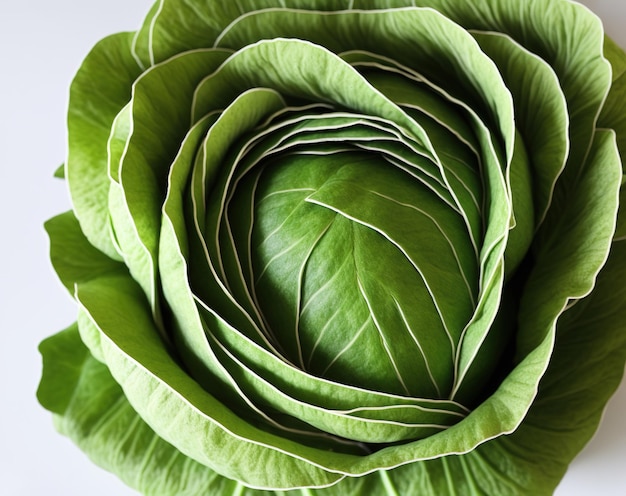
[(365, 247)]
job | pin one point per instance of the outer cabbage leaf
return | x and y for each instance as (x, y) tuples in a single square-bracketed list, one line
[(207, 357)]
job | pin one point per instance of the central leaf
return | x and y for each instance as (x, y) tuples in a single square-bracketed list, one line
[(363, 273)]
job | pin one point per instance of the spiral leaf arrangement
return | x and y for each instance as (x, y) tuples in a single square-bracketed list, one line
[(343, 247)]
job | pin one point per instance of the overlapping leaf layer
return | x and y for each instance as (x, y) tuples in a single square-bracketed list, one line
[(342, 247)]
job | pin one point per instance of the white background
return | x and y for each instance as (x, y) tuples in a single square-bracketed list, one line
[(41, 45)]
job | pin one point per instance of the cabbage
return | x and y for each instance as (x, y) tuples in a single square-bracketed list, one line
[(343, 248)]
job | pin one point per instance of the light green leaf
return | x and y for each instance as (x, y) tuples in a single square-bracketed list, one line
[(91, 409), (540, 115), (573, 252), (100, 89), (613, 116), (158, 124), (62, 364), (563, 33), (59, 173), (74, 259), (187, 416), (393, 33)]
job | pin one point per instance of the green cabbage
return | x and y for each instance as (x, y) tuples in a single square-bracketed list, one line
[(343, 247)]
